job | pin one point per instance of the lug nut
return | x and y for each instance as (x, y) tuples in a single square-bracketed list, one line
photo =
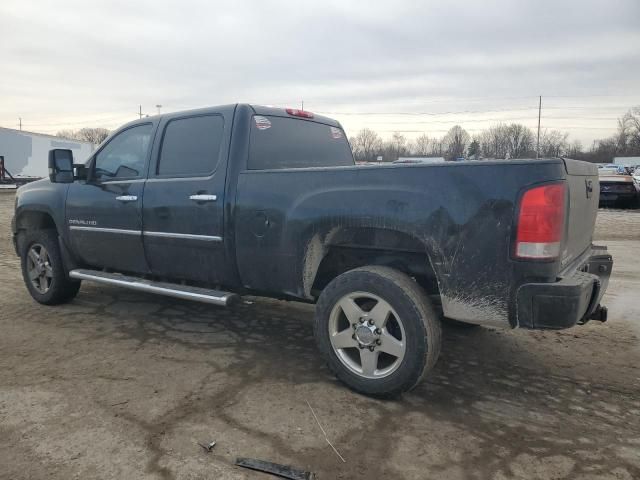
[(353, 336), (371, 348), (371, 322), (378, 331), (361, 319), (360, 346), (378, 342), (355, 326)]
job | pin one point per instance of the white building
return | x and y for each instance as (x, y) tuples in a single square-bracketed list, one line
[(26, 154)]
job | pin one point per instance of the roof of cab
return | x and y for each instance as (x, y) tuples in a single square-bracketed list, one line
[(282, 112), (257, 109)]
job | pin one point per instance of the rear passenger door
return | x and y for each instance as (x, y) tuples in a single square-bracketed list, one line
[(184, 198)]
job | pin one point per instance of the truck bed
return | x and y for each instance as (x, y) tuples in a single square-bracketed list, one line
[(459, 216)]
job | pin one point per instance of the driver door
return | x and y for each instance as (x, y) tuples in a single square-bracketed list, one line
[(104, 213)]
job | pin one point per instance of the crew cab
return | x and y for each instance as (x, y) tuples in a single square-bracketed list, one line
[(219, 202)]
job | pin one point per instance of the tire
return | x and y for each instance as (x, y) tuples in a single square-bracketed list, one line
[(57, 287), (389, 353)]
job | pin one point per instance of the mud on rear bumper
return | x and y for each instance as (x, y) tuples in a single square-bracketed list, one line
[(572, 299)]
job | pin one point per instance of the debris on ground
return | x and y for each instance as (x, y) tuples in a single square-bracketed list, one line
[(207, 447), (283, 471), (325, 434)]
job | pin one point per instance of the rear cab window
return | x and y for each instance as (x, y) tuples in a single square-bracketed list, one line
[(281, 142)]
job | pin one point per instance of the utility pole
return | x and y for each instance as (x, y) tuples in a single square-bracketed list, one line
[(20, 122), (158, 107), (539, 115), (302, 108), (140, 111)]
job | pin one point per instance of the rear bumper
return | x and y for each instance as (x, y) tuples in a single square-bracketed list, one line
[(610, 197), (573, 299)]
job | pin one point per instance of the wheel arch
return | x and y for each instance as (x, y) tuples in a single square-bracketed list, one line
[(344, 249), (35, 219)]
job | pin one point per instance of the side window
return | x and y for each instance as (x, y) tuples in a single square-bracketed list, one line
[(191, 146), (125, 154)]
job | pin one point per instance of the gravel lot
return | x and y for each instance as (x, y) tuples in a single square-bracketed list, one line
[(122, 385)]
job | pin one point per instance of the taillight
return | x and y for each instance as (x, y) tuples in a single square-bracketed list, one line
[(541, 222), (299, 113)]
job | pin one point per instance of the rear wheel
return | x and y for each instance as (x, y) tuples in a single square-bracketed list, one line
[(43, 269), (377, 330)]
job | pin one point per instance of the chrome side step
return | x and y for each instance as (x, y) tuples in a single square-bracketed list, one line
[(169, 289)]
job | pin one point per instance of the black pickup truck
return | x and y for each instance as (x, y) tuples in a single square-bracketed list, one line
[(218, 202)]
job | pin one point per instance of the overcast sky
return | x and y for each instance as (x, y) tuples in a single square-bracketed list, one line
[(69, 64)]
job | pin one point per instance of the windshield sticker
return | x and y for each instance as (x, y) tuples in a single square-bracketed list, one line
[(336, 132), (262, 123)]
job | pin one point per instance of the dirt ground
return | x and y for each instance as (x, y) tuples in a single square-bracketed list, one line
[(123, 385)]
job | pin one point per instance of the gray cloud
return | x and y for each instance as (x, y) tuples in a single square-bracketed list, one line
[(78, 62)]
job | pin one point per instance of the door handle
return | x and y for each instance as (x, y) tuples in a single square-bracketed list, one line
[(127, 198), (203, 198)]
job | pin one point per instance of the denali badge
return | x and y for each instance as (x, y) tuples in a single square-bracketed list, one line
[(73, 221)]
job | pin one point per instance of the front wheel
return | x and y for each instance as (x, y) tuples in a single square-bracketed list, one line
[(43, 270), (377, 330)]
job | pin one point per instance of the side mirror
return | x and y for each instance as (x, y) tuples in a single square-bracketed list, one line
[(60, 166)]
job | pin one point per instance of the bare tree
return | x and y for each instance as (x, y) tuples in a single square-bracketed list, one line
[(396, 147), (456, 141), (92, 135), (366, 145), (437, 147), (628, 136), (519, 141), (421, 145), (493, 141), (553, 143), (575, 150)]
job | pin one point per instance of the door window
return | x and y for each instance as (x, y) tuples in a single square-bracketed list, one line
[(125, 155), (191, 146)]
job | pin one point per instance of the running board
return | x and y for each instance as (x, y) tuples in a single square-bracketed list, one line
[(169, 289)]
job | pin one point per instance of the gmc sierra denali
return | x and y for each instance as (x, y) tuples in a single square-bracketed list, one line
[(214, 203)]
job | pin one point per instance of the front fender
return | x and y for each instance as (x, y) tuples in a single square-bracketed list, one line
[(43, 197)]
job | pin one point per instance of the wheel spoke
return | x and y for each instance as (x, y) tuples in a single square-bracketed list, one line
[(352, 311), (343, 339), (48, 271), (391, 345), (380, 313), (368, 361), (33, 273), (42, 284), (34, 256)]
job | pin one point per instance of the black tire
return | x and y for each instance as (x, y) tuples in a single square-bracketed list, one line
[(422, 330), (61, 289)]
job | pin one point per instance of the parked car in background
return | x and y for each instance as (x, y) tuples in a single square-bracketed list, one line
[(617, 189)]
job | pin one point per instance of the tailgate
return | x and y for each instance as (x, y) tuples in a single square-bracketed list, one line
[(584, 191)]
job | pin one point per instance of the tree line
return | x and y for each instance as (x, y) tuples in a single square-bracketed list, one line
[(92, 135), (500, 141)]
